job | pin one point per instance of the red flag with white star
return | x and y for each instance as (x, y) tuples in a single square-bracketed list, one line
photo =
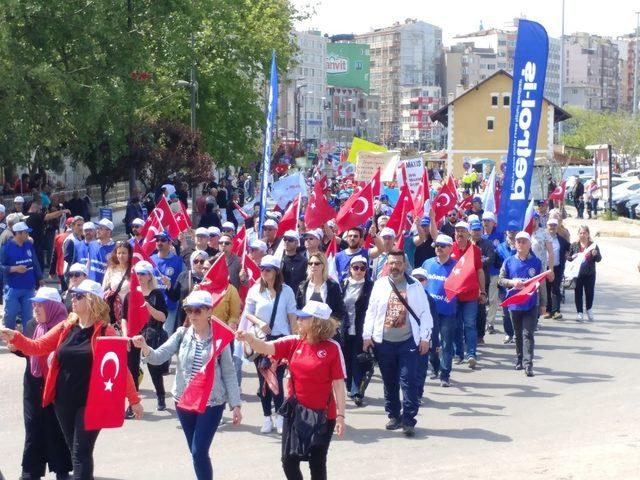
[(318, 211), (463, 277)]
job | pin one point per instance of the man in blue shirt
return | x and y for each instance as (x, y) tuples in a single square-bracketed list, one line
[(514, 272), (169, 266), (22, 275), (355, 237), (100, 250), (438, 269)]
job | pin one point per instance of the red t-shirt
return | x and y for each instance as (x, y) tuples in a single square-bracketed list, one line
[(456, 253), (313, 368)]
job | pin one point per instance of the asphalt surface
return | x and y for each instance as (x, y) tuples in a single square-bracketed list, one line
[(578, 418)]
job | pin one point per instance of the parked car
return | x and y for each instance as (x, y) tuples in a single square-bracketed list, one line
[(631, 173), (620, 194)]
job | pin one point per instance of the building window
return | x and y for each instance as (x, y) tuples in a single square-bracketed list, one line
[(494, 99), (490, 121), (506, 100)]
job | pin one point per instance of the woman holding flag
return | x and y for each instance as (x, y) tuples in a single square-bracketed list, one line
[(156, 306), (586, 279), (194, 346), (67, 385)]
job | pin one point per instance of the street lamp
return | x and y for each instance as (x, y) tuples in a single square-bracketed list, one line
[(635, 67), (296, 98)]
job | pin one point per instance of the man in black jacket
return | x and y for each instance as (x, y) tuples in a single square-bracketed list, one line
[(294, 264), (560, 248), (578, 197)]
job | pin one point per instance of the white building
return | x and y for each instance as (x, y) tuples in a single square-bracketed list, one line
[(417, 104)]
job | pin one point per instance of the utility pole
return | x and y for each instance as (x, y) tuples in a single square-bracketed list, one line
[(635, 67), (562, 70)]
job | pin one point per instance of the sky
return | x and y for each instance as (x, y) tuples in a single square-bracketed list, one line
[(602, 17)]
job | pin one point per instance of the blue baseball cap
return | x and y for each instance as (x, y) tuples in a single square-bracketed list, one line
[(475, 225), (425, 221)]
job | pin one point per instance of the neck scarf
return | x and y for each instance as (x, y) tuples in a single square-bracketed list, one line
[(55, 312)]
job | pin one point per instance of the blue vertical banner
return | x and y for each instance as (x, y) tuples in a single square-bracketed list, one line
[(529, 71), (272, 106)]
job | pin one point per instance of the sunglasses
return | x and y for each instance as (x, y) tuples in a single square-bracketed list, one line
[(193, 310), (452, 215), (78, 296), (358, 269), (199, 261), (142, 274), (314, 264), (224, 243), (289, 239), (76, 274), (442, 245)]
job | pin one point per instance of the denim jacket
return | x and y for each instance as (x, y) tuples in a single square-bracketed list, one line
[(183, 342)]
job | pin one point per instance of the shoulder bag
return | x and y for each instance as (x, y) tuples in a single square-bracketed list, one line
[(404, 302)]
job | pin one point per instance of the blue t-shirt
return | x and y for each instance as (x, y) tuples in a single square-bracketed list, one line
[(171, 267), (343, 259), (437, 273), (13, 254), (98, 257), (496, 239), (515, 268)]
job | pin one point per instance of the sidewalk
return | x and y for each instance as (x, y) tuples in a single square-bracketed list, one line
[(622, 228)]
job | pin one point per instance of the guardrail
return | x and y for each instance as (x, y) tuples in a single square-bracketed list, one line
[(118, 193)]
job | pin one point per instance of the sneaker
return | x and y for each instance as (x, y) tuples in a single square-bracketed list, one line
[(547, 315), (279, 423), (434, 376), (358, 401), (507, 339), (393, 424), (529, 371), (409, 431), (267, 425), (162, 406), (129, 414), (491, 329), (459, 360), (445, 383), (519, 366), (480, 341), (472, 362), (590, 315), (557, 316), (580, 317)]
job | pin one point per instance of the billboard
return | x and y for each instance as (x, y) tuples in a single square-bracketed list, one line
[(348, 65)]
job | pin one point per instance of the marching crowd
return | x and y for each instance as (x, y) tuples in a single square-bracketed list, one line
[(315, 308)]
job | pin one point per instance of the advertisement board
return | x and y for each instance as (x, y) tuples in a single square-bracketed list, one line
[(348, 65)]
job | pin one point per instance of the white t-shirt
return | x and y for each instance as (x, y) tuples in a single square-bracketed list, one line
[(539, 241), (261, 304)]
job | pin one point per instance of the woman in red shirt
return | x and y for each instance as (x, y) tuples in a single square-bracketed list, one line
[(317, 374)]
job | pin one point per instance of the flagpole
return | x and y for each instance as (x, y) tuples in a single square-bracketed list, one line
[(272, 106)]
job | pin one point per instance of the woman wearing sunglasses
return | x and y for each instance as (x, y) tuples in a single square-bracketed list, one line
[(271, 307), (193, 347), (78, 273), (357, 292), (116, 281), (187, 280), (67, 383), (153, 332), (317, 383)]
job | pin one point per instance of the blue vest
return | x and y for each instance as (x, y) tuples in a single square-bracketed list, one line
[(523, 270), (437, 273), (171, 267), (98, 257), (13, 255), (496, 239)]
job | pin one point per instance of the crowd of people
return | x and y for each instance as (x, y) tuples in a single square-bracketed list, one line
[(325, 309)]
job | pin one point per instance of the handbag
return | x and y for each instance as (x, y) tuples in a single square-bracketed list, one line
[(249, 353), (304, 427), (112, 297)]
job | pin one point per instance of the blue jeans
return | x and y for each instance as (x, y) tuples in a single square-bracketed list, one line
[(398, 363), (432, 358), (352, 348), (170, 323), (467, 313), (199, 428), (448, 329), (18, 302)]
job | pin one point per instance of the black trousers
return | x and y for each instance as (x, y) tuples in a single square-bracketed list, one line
[(524, 325), (43, 440), (481, 320), (586, 283), (155, 371), (269, 397), (81, 442), (317, 458), (553, 291)]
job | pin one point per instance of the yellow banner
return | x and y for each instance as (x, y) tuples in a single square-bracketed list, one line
[(360, 145)]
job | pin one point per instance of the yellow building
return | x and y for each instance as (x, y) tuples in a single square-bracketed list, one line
[(478, 120)]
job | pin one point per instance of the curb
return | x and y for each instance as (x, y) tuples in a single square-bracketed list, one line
[(616, 234)]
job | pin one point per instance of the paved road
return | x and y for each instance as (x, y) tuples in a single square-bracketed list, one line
[(578, 418)]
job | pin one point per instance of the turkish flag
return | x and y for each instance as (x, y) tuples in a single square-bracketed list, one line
[(216, 280), (330, 253), (165, 215), (198, 391), (559, 192), (530, 220), (152, 227), (376, 184), (239, 243), (422, 195), (140, 254), (465, 204), (357, 209), (399, 219), (253, 272), (446, 199), (107, 385), (318, 211), (290, 217), (525, 293), (463, 277), (241, 211), (181, 216)]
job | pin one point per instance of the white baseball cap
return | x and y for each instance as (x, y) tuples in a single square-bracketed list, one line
[(137, 222), (198, 298), (291, 234), (419, 272), (18, 199), (228, 226), (270, 223), (20, 227), (202, 231), (489, 216), (47, 293), (387, 232), (214, 231), (552, 221), (79, 267), (464, 225), (270, 261), (473, 218), (143, 267), (443, 240), (316, 233), (106, 223), (88, 226), (258, 245), (315, 309), (359, 259), (523, 234), (89, 286)]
